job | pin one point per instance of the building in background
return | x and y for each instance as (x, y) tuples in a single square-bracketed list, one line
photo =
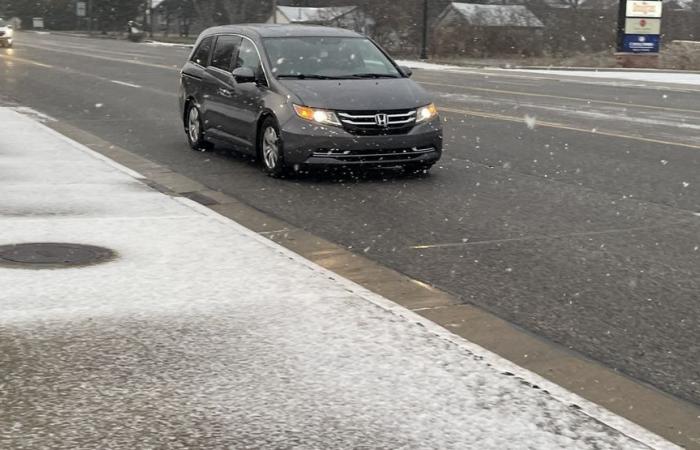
[(471, 29), (350, 17)]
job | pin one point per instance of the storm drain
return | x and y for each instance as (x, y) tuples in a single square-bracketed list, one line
[(53, 255)]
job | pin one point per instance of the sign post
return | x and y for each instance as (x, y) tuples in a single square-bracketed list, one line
[(639, 33)]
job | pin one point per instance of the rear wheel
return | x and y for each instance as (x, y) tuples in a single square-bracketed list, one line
[(270, 148), (195, 130)]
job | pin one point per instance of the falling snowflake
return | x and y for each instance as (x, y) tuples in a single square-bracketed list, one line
[(530, 121)]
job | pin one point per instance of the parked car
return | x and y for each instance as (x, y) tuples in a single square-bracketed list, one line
[(298, 96), (7, 34)]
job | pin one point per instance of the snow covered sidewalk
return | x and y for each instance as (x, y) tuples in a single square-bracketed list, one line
[(203, 334)]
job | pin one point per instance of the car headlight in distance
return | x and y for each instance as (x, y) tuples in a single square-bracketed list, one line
[(426, 113), (321, 116)]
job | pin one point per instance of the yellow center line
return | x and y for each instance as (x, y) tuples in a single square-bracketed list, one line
[(559, 97), (562, 126)]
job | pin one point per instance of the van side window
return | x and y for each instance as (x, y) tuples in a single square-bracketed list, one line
[(201, 55), (224, 50), (248, 57)]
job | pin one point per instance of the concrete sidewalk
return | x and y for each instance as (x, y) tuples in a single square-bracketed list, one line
[(203, 334)]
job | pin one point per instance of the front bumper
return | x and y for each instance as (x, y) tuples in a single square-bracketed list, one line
[(307, 143)]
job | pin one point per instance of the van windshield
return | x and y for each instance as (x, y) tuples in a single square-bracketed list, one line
[(327, 58)]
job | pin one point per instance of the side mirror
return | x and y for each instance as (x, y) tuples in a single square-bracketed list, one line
[(244, 75), (406, 71)]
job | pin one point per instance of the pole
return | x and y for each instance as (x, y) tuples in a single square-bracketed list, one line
[(89, 13), (150, 17), (621, 16), (424, 46), (274, 11)]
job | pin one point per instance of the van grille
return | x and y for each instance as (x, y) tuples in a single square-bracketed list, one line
[(378, 122)]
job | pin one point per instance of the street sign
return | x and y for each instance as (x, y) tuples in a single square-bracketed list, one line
[(641, 43), (636, 8), (81, 9), (642, 26), (37, 22)]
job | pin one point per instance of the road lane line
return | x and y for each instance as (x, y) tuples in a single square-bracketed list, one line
[(22, 60), (559, 97), (545, 237), (562, 126), (105, 58), (68, 70), (124, 83)]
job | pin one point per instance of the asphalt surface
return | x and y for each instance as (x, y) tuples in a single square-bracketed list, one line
[(568, 206)]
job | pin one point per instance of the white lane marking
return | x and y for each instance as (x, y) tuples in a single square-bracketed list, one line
[(11, 57), (105, 58), (124, 83)]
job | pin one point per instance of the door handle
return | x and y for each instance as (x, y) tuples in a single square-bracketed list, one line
[(225, 92)]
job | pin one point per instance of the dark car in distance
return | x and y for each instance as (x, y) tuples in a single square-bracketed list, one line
[(296, 96)]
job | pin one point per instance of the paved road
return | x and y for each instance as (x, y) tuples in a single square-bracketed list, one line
[(569, 206)]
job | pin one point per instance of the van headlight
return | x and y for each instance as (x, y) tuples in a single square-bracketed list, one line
[(321, 116), (426, 113)]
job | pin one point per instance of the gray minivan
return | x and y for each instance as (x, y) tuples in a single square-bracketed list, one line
[(298, 96)]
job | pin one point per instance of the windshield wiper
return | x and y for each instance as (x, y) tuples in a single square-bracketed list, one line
[(303, 76), (373, 75)]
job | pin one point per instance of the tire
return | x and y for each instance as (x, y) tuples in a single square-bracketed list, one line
[(194, 130), (8, 44), (270, 149)]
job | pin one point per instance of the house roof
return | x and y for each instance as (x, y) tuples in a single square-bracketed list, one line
[(314, 15), (497, 15)]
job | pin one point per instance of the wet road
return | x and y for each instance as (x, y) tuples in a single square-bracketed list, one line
[(568, 206)]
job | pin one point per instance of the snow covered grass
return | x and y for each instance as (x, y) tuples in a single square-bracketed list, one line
[(426, 65), (658, 77)]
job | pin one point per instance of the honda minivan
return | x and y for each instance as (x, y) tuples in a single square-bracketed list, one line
[(298, 96)]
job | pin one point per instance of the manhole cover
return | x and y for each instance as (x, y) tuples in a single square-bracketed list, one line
[(53, 255)]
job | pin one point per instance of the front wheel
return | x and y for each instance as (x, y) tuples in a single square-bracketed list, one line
[(195, 130), (270, 148)]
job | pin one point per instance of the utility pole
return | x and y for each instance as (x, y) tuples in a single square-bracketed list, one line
[(424, 46), (89, 14), (150, 17)]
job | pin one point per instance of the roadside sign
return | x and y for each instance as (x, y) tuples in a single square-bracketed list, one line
[(642, 26), (80, 9), (641, 43), (37, 22), (637, 8)]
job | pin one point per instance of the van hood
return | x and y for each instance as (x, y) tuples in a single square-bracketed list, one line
[(359, 95)]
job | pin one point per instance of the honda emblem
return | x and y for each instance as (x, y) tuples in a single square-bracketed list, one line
[(382, 120)]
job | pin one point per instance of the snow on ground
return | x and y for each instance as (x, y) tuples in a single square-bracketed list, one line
[(203, 334), (660, 77), (167, 44), (426, 65)]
